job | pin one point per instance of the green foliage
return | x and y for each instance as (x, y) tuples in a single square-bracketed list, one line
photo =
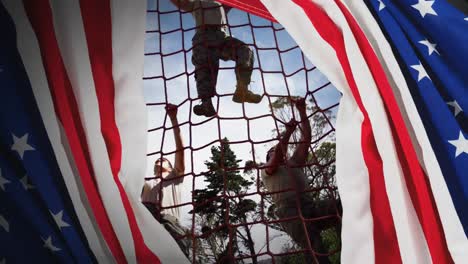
[(321, 174), (296, 258), (332, 242), (320, 119), (281, 102), (219, 205), (214, 200), (325, 155)]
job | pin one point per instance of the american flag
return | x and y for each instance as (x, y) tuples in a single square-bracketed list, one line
[(426, 38), (73, 131), (73, 127), (37, 216), (426, 43), (402, 142)]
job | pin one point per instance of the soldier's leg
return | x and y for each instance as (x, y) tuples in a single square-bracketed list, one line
[(173, 226), (317, 244), (310, 210), (295, 229), (206, 65), (154, 210), (236, 50)]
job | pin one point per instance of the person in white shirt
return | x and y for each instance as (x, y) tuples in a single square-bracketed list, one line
[(210, 44), (285, 179), (158, 193)]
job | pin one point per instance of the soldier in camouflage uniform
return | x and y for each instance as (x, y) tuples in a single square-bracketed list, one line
[(282, 173), (210, 44)]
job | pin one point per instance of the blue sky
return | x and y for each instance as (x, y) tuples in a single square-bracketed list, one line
[(179, 89)]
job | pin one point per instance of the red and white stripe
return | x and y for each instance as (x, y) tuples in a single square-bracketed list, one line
[(456, 240), (357, 194), (28, 47), (90, 72), (405, 220), (89, 75)]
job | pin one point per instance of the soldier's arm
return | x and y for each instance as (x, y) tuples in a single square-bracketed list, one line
[(179, 164), (302, 151), (185, 5), (281, 149)]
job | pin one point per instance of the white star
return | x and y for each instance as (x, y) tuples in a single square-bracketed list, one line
[(430, 46), (381, 5), (456, 107), (425, 7), (24, 182), (20, 145), (4, 223), (466, 19), (461, 144), (58, 219), (48, 244), (3, 181), (421, 71)]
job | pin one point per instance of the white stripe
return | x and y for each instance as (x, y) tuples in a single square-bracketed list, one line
[(351, 172), (78, 190), (128, 33), (68, 25), (411, 240), (456, 239), (29, 51)]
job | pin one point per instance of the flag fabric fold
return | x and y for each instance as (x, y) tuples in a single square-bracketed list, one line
[(35, 213), (455, 235), (87, 83), (420, 231), (435, 77), (74, 152)]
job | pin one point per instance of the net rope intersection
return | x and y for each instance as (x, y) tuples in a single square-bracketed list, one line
[(319, 166)]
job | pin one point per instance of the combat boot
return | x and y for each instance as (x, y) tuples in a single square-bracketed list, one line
[(243, 95), (205, 108)]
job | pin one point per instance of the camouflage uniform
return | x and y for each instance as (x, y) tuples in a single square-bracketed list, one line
[(287, 206), (211, 44), (176, 230), (310, 209), (172, 225)]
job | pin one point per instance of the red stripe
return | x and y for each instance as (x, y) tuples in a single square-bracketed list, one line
[(255, 7), (98, 28), (416, 180), (385, 240), (40, 16)]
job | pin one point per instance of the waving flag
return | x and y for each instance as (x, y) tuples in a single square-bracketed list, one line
[(436, 77), (430, 99), (402, 152), (81, 63), (30, 180), (73, 127)]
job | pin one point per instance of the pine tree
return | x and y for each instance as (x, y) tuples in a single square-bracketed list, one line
[(219, 205)]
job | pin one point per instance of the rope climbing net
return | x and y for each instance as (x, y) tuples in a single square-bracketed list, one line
[(227, 214)]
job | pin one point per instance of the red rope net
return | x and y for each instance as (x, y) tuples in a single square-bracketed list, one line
[(226, 214)]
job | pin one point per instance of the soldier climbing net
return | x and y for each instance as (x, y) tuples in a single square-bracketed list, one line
[(227, 214)]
